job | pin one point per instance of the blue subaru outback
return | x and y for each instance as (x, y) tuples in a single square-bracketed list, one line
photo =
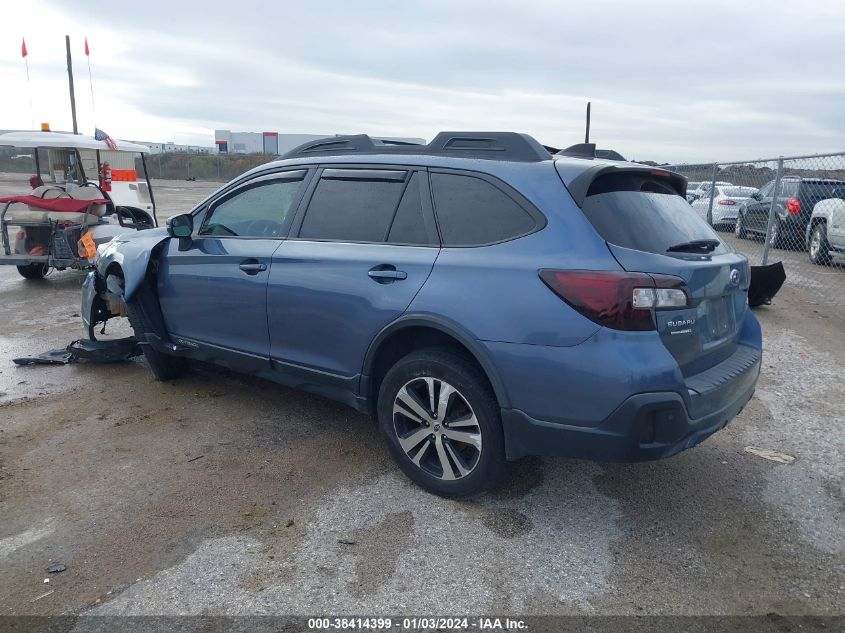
[(483, 298)]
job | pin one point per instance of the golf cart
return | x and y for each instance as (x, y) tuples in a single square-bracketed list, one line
[(83, 193)]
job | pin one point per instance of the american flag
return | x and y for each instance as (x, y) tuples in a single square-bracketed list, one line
[(99, 135)]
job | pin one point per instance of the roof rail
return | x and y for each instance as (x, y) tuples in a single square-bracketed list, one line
[(509, 146)]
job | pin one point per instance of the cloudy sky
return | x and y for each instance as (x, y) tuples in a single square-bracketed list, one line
[(669, 81)]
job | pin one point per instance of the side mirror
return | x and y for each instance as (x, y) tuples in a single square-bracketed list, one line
[(181, 225)]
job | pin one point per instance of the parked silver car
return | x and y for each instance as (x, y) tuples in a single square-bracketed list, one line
[(726, 202), (826, 230)]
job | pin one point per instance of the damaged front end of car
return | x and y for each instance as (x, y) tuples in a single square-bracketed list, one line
[(102, 299), (120, 267)]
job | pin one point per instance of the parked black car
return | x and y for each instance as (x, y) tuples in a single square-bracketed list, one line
[(794, 204)]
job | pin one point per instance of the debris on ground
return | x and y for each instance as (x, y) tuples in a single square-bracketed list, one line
[(112, 351), (56, 568), (43, 595), (765, 283), (289, 523), (347, 540), (767, 453)]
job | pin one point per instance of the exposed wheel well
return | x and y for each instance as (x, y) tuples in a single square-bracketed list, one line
[(408, 339), (114, 269)]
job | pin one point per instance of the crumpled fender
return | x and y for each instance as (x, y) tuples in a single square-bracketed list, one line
[(130, 251)]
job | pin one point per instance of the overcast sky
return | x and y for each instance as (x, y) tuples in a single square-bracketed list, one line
[(669, 81)]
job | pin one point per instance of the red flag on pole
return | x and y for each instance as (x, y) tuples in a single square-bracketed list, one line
[(23, 47), (87, 54)]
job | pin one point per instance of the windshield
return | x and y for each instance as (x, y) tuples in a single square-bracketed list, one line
[(647, 221)]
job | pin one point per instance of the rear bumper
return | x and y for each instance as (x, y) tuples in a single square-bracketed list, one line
[(645, 426)]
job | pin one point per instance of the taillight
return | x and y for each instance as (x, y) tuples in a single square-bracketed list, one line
[(793, 205), (727, 203), (618, 300)]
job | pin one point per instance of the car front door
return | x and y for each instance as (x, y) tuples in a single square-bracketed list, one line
[(756, 215), (213, 287), (359, 252)]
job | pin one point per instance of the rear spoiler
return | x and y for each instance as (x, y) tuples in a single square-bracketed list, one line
[(580, 184)]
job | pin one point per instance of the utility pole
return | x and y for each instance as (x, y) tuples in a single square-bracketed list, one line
[(587, 135), (70, 83)]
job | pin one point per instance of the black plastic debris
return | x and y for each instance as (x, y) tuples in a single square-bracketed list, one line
[(113, 351), (53, 357), (765, 283), (56, 568)]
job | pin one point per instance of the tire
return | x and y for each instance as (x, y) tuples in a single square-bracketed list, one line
[(739, 228), (818, 249), (33, 271), (163, 367), (430, 447)]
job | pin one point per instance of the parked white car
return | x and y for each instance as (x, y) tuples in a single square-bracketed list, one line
[(702, 190), (726, 202), (826, 230)]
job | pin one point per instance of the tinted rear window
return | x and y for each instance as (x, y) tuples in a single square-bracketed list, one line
[(350, 208), (819, 190), (643, 213), (472, 211)]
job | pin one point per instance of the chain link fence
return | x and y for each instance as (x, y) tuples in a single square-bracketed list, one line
[(212, 167), (789, 209)]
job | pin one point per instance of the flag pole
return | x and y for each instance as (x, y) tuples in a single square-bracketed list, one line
[(91, 82), (70, 85), (24, 54)]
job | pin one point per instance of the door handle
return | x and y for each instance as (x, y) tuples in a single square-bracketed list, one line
[(252, 267), (386, 273)]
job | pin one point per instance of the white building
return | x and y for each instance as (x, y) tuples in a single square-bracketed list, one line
[(229, 142)]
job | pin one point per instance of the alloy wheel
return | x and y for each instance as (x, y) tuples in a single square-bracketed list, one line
[(774, 237), (815, 244), (437, 428)]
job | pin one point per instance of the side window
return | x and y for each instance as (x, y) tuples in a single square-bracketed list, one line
[(471, 211), (408, 225), (353, 205), (258, 211)]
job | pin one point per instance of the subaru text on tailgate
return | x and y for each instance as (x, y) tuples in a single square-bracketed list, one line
[(482, 298)]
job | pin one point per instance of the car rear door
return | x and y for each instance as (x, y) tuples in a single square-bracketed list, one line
[(642, 217), (360, 250), (213, 287)]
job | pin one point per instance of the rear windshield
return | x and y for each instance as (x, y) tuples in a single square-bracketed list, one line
[(643, 213), (739, 192), (820, 190)]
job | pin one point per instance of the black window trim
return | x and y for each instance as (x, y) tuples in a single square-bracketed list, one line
[(207, 209), (364, 171), (540, 220)]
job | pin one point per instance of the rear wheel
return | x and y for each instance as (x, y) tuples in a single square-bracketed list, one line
[(819, 248), (33, 271), (739, 227), (163, 366), (441, 422)]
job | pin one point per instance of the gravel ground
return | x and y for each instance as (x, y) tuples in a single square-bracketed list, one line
[(218, 494)]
